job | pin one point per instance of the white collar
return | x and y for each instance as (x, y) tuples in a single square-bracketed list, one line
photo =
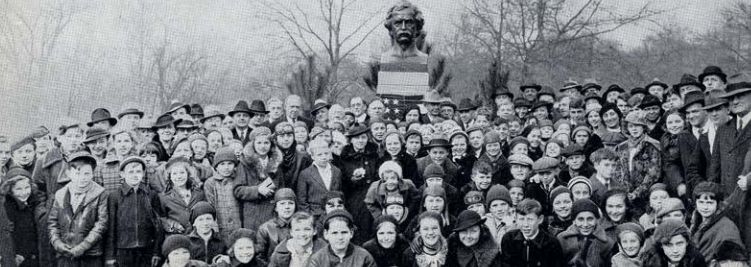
[(745, 119)]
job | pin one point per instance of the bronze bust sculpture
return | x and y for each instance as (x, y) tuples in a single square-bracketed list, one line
[(404, 22)]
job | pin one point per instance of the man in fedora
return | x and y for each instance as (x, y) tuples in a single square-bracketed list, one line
[(293, 112), (101, 118), (432, 101), (241, 114), (212, 119), (730, 148), (688, 83), (129, 118), (657, 88), (467, 112), (530, 91), (717, 109), (713, 78), (693, 108), (178, 110), (258, 116)]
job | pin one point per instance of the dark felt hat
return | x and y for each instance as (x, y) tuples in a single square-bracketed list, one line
[(503, 91), (438, 142), (129, 111), (466, 105), (593, 95), (94, 133), (186, 124), (165, 120), (713, 70), (730, 251), (688, 79), (467, 219), (613, 88), (522, 102), (446, 102), (432, 97), (591, 83), (540, 104), (546, 90), (83, 155), (358, 129), (212, 113), (174, 242), (638, 90), (241, 106), (649, 100), (257, 106), (196, 110), (318, 106), (530, 85), (571, 84), (692, 98), (714, 99), (178, 105), (734, 89), (657, 82), (101, 114)]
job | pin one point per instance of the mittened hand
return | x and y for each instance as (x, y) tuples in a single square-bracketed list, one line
[(77, 252)]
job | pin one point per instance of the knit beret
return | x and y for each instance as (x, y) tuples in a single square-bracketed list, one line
[(708, 188), (668, 229), (434, 190), (658, 186), (195, 137), (545, 123), (201, 208), (432, 171), (631, 227), (474, 128), (492, 137), (174, 242), (545, 164), (132, 159), (557, 191), (560, 122), (583, 205), (15, 172), (579, 179), (390, 166), (411, 133), (520, 159), (518, 140), (382, 219), (498, 192), (223, 154), (515, 183), (241, 233), (284, 194), (473, 197), (338, 214), (670, 205), (22, 142), (334, 195), (580, 128), (284, 128), (315, 132)]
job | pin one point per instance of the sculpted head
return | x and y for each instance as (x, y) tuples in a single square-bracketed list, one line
[(404, 22)]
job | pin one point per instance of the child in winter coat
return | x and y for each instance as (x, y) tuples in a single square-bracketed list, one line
[(500, 219), (529, 245), (78, 217), (219, 191), (710, 225), (134, 231), (585, 242), (179, 198), (391, 183), (303, 242), (338, 230), (630, 241), (176, 249), (242, 250), (206, 245), (276, 230)]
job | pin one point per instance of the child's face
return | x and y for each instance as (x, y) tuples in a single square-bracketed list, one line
[(476, 139), (517, 194), (132, 174), (302, 231), (562, 205), (477, 207), (706, 206), (434, 203), (482, 180), (215, 141), (393, 145), (149, 158), (458, 145), (481, 120), (179, 175), (502, 130), (321, 156), (534, 137), (581, 138), (605, 168), (123, 144), (580, 191), (675, 249), (70, 141), (434, 181), (98, 147), (519, 172), (178, 257), (285, 208), (498, 209), (334, 204), (200, 148), (546, 132), (438, 154), (21, 190), (395, 210), (585, 222), (238, 148), (630, 243), (183, 150), (553, 150), (378, 130), (244, 250), (386, 234), (656, 199), (546, 177), (493, 149), (82, 176), (301, 134), (338, 235), (203, 223), (521, 149), (615, 207), (225, 168), (413, 143), (391, 180), (575, 162), (514, 128), (262, 145), (529, 224)]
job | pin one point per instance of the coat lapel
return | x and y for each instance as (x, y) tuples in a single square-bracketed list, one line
[(317, 176), (744, 135)]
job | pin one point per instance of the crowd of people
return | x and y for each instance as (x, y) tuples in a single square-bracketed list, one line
[(585, 176)]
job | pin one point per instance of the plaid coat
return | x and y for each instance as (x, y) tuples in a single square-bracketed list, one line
[(219, 193), (108, 174), (256, 208), (647, 164)]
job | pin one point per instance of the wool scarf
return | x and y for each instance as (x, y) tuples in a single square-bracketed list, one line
[(430, 257)]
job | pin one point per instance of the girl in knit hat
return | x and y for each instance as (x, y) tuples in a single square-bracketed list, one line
[(176, 249), (434, 199), (219, 190), (616, 210), (21, 200), (561, 204), (391, 182), (580, 187), (710, 225), (23, 153), (585, 243), (672, 247), (242, 250), (388, 244), (276, 230), (429, 247), (500, 217), (630, 238)]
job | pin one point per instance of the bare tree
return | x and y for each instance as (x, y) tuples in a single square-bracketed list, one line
[(322, 33), (308, 82), (735, 33)]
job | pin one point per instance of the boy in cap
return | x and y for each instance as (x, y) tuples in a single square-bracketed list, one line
[(544, 180), (276, 230), (219, 191), (438, 150), (338, 230), (434, 175), (576, 163), (176, 249), (630, 241), (474, 201), (134, 230), (585, 243), (521, 166), (77, 236), (527, 245), (500, 218), (206, 245), (396, 208)]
